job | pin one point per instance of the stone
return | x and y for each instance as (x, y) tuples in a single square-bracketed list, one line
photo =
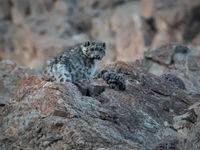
[(2, 103), (185, 122), (192, 141), (38, 30), (177, 60), (46, 114), (5, 10), (127, 24), (175, 21), (151, 113), (165, 53), (10, 74), (174, 80)]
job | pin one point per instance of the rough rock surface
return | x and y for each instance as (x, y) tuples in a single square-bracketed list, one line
[(37, 30), (175, 21), (50, 115), (182, 62), (178, 60), (10, 74), (151, 114)]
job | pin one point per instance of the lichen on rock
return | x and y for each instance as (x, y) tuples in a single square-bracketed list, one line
[(50, 115)]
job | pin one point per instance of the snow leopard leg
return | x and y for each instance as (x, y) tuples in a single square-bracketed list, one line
[(114, 80), (61, 74)]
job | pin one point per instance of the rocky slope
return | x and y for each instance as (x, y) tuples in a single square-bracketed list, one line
[(32, 31), (153, 113)]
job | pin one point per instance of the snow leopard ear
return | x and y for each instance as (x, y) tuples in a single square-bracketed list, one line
[(87, 43), (104, 45)]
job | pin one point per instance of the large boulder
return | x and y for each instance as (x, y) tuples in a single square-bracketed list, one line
[(175, 21), (154, 112), (38, 30), (50, 115), (10, 74), (175, 59)]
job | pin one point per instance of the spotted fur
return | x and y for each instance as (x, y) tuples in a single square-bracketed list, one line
[(78, 63)]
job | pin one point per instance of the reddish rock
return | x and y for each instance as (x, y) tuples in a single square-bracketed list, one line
[(177, 60), (10, 74), (36, 31), (192, 141), (46, 114), (175, 21), (184, 65)]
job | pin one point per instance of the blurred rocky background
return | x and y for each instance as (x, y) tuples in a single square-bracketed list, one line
[(160, 108), (32, 31)]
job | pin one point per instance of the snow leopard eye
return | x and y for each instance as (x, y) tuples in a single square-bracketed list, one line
[(87, 43)]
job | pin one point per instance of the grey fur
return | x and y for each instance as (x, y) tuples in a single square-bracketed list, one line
[(78, 63)]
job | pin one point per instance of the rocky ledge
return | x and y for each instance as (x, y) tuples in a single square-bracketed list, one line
[(155, 112)]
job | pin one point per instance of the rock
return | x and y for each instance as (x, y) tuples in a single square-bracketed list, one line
[(2, 103), (178, 60), (147, 8), (196, 108), (127, 24), (97, 86), (192, 141), (95, 7), (5, 10), (166, 54), (35, 34), (175, 21), (174, 80), (167, 144), (151, 113), (10, 74), (185, 122), (46, 114), (38, 30)]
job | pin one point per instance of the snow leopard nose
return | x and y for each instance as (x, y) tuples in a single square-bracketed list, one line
[(98, 57)]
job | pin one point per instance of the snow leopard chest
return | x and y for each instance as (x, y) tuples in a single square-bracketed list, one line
[(83, 71)]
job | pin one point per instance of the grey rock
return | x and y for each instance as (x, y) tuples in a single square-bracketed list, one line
[(50, 115)]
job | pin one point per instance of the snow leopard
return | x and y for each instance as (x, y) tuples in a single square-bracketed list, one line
[(80, 63)]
